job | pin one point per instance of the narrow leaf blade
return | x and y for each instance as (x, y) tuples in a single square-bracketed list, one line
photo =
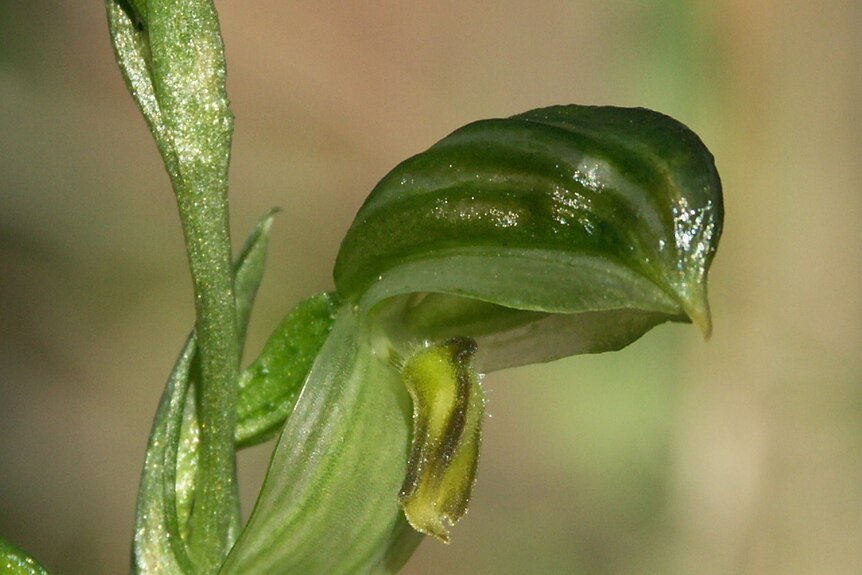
[(158, 544), (132, 50)]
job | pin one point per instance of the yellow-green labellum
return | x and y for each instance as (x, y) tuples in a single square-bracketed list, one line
[(448, 405)]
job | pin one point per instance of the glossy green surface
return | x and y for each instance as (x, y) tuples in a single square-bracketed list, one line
[(15, 561), (614, 212), (138, 10)]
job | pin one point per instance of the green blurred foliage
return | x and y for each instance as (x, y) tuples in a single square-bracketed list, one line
[(742, 455)]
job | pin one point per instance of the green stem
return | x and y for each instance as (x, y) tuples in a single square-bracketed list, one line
[(205, 225), (187, 63), (172, 56)]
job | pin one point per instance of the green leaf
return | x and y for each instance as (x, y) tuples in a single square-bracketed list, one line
[(14, 561), (329, 503), (166, 492), (170, 53), (564, 230), (132, 50), (270, 386), (158, 543), (249, 267)]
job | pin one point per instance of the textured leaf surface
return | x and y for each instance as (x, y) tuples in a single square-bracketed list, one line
[(610, 216)]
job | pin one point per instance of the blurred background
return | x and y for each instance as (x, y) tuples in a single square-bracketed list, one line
[(742, 455)]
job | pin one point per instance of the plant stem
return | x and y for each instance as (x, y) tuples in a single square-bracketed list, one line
[(192, 123), (205, 225)]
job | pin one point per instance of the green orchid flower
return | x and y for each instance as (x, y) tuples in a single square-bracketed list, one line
[(557, 232), (560, 231)]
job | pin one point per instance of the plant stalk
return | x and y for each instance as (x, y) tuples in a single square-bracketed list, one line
[(203, 214), (172, 56)]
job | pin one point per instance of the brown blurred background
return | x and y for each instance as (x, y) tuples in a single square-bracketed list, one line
[(739, 456)]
